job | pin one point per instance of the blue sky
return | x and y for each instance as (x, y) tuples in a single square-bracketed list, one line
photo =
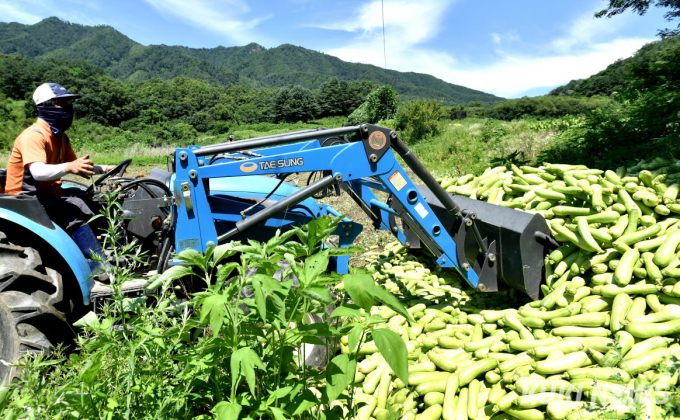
[(508, 48)]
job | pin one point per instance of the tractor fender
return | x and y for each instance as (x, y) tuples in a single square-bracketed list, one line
[(57, 248)]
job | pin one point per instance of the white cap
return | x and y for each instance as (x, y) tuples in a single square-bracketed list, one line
[(48, 91)]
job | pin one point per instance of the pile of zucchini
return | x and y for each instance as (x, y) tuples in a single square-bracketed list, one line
[(601, 343)]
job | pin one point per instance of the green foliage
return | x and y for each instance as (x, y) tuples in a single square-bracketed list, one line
[(640, 7), (252, 64), (339, 97), (470, 145), (618, 76), (419, 119), (231, 351), (642, 121), (295, 103), (381, 104), (539, 107), (12, 121)]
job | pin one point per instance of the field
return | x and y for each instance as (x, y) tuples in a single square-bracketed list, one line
[(432, 346), (464, 146)]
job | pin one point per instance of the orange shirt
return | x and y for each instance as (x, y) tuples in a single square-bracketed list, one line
[(37, 143)]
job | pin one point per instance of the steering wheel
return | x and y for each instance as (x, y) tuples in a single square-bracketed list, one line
[(118, 171)]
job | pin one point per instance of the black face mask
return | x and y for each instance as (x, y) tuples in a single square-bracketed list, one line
[(59, 119)]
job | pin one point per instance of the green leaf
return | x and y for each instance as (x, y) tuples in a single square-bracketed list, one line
[(278, 413), (315, 265), (226, 411), (279, 393), (273, 286), (225, 271), (312, 340), (243, 363), (224, 251), (213, 310), (324, 280), (389, 300), (302, 403), (89, 372), (191, 256), (360, 288), (317, 330), (347, 310), (345, 250), (173, 273), (260, 300), (375, 319), (393, 349), (89, 320), (319, 294), (354, 337), (297, 270), (339, 374)]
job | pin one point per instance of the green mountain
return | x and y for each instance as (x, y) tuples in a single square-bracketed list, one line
[(621, 73), (252, 64)]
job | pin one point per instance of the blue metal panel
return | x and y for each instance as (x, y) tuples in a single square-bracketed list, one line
[(347, 162), (347, 232), (194, 226), (258, 187), (62, 244)]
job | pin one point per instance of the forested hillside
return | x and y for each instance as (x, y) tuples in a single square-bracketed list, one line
[(615, 77), (252, 64)]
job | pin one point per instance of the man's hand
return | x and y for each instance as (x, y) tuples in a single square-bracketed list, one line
[(107, 168), (82, 166)]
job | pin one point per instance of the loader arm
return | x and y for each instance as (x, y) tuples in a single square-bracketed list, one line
[(429, 216)]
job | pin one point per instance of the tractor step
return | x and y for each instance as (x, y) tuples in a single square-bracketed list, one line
[(129, 287), (102, 292)]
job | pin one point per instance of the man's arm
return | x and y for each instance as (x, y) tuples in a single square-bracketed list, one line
[(80, 166)]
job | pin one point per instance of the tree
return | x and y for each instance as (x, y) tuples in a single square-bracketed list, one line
[(381, 104), (616, 7), (332, 96), (419, 119), (295, 103)]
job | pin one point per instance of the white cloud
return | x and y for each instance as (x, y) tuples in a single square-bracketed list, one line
[(414, 21), (220, 16), (587, 47), (510, 36), (587, 29), (514, 74), (12, 11)]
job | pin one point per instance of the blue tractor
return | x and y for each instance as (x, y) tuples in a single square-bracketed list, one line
[(238, 190)]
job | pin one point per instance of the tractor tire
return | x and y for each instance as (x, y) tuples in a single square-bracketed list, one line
[(29, 321)]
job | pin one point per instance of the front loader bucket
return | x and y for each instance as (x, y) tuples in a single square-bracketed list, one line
[(519, 241)]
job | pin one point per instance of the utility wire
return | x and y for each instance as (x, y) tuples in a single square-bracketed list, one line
[(382, 3)]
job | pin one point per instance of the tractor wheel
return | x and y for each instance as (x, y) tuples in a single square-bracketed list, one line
[(29, 322)]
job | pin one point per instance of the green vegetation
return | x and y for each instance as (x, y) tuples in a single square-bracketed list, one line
[(617, 75), (232, 350), (380, 104), (251, 65), (642, 120), (640, 7)]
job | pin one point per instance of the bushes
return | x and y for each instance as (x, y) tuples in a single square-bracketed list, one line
[(544, 107), (419, 119), (621, 132), (643, 120), (381, 104)]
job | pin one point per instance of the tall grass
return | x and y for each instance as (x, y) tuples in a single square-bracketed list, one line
[(472, 145)]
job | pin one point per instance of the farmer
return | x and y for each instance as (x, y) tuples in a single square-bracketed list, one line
[(42, 155)]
